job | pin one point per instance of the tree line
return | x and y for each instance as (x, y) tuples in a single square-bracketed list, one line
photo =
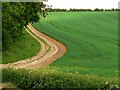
[(78, 10), (16, 15)]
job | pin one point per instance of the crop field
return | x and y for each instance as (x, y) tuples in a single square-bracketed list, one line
[(91, 39)]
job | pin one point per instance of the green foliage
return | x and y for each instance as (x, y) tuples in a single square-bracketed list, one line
[(22, 49), (56, 10), (97, 9), (53, 78), (91, 39), (78, 10), (15, 15)]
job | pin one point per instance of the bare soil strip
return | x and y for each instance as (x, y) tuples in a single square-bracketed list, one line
[(45, 56)]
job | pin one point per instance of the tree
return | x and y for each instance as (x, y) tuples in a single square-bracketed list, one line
[(15, 15)]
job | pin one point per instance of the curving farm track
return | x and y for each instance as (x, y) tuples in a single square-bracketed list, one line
[(50, 51)]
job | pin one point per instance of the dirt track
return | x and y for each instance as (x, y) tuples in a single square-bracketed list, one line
[(50, 51)]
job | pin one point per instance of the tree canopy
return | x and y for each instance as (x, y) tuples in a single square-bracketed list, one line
[(15, 15)]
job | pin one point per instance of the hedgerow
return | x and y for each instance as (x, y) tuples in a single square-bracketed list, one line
[(53, 78)]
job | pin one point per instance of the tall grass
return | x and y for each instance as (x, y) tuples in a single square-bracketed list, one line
[(22, 49)]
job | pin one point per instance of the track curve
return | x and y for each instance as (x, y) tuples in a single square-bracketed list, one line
[(49, 52)]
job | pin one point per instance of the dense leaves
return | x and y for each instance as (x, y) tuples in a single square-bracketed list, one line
[(15, 16)]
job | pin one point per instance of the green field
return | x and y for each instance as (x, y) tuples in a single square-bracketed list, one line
[(91, 39)]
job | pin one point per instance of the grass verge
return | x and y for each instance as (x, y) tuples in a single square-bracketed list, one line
[(22, 49), (42, 40)]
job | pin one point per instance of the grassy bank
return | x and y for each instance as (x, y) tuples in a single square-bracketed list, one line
[(22, 49), (54, 78), (91, 39)]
